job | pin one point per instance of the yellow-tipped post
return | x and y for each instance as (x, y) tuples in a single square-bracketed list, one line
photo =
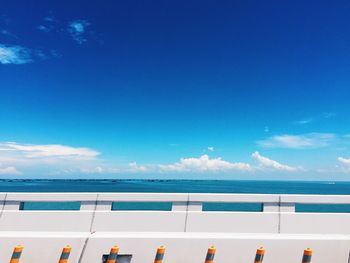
[(160, 255), (259, 256), (112, 258), (210, 254), (65, 254), (307, 255), (16, 255)]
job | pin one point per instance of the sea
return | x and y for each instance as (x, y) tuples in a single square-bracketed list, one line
[(177, 186)]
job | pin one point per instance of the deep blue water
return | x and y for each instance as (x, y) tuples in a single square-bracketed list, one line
[(179, 186)]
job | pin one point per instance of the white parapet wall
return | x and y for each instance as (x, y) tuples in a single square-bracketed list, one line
[(186, 230)]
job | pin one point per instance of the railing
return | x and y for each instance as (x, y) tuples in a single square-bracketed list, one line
[(180, 202), (91, 212)]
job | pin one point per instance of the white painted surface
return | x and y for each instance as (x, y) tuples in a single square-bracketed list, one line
[(65, 221), (235, 222), (316, 199), (309, 223), (142, 221)]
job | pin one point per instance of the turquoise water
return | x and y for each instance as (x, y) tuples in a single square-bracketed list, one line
[(179, 186), (176, 186)]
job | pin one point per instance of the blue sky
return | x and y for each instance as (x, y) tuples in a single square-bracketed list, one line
[(175, 89)]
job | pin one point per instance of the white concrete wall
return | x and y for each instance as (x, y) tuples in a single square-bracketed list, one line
[(187, 231), (279, 214)]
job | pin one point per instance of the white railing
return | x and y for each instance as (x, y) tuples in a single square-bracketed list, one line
[(95, 214)]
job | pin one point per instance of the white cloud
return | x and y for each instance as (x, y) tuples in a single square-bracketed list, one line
[(303, 121), (15, 55), (77, 29), (211, 148), (93, 170), (49, 18), (44, 28), (204, 164), (345, 165), (10, 170), (265, 162), (56, 159), (19, 55), (135, 168), (302, 141), (344, 160), (47, 25), (48, 150)]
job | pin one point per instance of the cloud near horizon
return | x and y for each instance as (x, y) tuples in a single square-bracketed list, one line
[(193, 165), (345, 165), (204, 164), (266, 163), (9, 170), (63, 159), (344, 160)]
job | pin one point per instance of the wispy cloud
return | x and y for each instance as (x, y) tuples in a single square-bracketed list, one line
[(329, 114), (301, 141), (77, 29), (211, 148), (266, 163), (320, 117), (15, 55), (44, 28), (48, 150), (49, 18), (204, 164), (20, 55), (8, 33), (303, 121), (47, 24)]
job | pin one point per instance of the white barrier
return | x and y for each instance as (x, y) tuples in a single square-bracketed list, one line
[(278, 215), (186, 230)]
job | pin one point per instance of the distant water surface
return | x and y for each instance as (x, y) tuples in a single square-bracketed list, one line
[(176, 186)]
